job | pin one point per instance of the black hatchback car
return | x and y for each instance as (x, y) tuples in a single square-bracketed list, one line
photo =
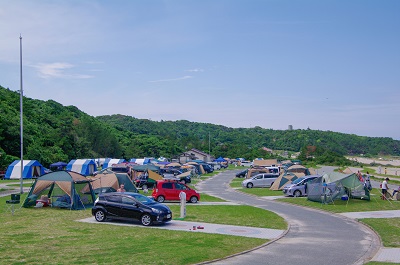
[(130, 206)]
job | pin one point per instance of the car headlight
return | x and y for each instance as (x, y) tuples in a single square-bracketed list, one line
[(155, 210)]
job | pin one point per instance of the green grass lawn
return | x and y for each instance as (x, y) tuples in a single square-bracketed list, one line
[(53, 236), (241, 215), (387, 228), (208, 198)]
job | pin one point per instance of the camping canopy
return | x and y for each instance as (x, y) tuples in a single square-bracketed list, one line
[(298, 169), (334, 185), (58, 165), (32, 169), (108, 181), (220, 159), (66, 189), (85, 167)]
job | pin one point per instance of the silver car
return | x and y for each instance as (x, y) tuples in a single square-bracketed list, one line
[(298, 187), (260, 180)]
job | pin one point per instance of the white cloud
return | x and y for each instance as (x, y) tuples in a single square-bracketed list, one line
[(195, 70), (58, 70), (172, 79)]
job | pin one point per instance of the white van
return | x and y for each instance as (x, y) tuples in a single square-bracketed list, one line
[(260, 180)]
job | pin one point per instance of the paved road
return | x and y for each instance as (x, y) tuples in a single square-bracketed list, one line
[(314, 237)]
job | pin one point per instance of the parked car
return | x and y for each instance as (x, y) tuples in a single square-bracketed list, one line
[(130, 206), (207, 168), (260, 180), (169, 172), (245, 163), (143, 181), (298, 187), (169, 190), (242, 173), (215, 165), (175, 174), (224, 164)]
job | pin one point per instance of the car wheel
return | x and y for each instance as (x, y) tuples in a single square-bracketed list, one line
[(183, 181), (100, 216), (160, 199), (297, 193), (144, 187), (193, 199), (249, 185), (146, 219)]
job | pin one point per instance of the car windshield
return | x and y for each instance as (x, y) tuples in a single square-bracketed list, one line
[(297, 181), (143, 199)]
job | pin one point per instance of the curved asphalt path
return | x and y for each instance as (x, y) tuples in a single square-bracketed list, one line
[(314, 237)]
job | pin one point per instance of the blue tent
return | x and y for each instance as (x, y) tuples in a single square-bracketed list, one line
[(111, 161), (220, 159), (32, 169), (140, 161), (85, 167)]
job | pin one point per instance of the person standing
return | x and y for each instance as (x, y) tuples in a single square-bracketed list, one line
[(368, 181), (121, 188), (384, 188), (360, 177)]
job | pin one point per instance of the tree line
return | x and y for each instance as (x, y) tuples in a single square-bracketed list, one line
[(53, 132)]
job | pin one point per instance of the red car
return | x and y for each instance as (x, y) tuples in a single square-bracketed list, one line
[(169, 190)]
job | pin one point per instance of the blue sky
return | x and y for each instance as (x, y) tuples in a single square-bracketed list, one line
[(323, 65)]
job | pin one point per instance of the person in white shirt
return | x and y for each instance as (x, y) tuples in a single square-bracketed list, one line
[(384, 188)]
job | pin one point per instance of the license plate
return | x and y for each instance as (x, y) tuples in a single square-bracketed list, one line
[(169, 215)]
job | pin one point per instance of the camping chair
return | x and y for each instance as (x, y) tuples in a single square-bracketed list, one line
[(15, 199)]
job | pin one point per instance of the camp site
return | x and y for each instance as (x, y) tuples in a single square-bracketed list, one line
[(71, 195)]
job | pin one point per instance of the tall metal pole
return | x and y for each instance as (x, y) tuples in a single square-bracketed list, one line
[(21, 95), (209, 145)]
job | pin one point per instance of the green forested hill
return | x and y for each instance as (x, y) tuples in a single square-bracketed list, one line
[(247, 142), (53, 132)]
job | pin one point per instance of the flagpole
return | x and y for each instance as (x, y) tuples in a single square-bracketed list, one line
[(21, 95)]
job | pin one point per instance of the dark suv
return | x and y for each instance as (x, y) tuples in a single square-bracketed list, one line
[(130, 206)]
